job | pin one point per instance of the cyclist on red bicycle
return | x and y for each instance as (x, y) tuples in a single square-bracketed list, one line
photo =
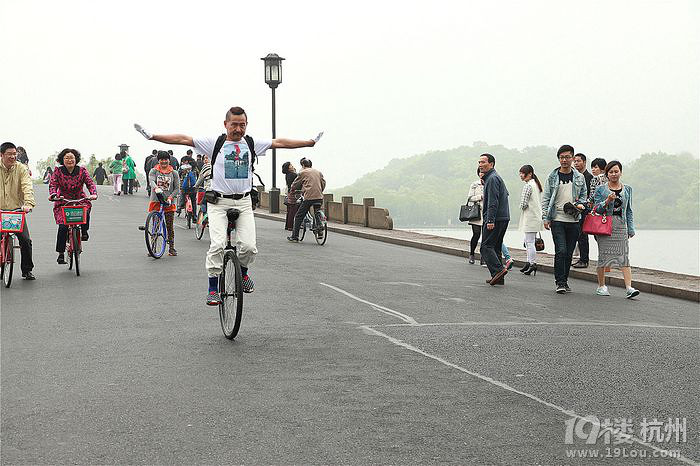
[(67, 182), (17, 191)]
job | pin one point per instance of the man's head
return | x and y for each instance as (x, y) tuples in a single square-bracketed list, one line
[(170, 152), (8, 151), (306, 163), (154, 152), (486, 163), (565, 154), (235, 123), (99, 164), (580, 162), (189, 152)]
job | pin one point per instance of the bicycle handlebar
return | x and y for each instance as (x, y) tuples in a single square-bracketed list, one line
[(70, 201)]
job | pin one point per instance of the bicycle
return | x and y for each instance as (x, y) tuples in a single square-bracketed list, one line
[(317, 223), (156, 232), (74, 215), (11, 222), (188, 211), (231, 283)]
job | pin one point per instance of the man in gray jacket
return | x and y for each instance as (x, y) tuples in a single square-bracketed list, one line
[(496, 217), (311, 183)]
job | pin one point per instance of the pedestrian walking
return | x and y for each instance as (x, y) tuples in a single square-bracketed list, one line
[(563, 200), (475, 196), (530, 223), (290, 200), (614, 199), (150, 162), (116, 168), (129, 170), (580, 166), (496, 216), (99, 174)]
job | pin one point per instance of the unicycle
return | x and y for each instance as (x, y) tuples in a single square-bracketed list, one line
[(231, 284)]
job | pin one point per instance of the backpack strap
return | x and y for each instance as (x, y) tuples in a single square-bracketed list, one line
[(217, 148)]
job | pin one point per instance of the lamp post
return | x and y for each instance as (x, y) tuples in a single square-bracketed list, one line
[(123, 148), (273, 78)]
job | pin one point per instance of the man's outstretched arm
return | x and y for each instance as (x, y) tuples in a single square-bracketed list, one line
[(179, 139), (281, 143)]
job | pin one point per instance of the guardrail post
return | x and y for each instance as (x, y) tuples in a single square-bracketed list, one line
[(367, 202), (345, 200), (326, 199)]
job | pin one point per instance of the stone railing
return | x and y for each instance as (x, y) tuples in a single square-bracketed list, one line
[(365, 214)]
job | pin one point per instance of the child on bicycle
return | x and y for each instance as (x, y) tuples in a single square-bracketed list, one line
[(166, 185)]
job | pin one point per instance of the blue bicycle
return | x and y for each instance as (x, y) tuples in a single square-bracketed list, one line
[(156, 232)]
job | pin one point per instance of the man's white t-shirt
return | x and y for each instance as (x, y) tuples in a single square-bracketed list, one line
[(232, 168)]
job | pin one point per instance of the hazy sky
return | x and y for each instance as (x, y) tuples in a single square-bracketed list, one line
[(614, 78)]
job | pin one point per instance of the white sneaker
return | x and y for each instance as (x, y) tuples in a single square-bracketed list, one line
[(602, 291), (632, 292)]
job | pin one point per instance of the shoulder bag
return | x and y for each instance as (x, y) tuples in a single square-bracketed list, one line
[(595, 224)]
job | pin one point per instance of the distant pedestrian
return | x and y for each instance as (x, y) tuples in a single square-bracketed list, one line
[(100, 174), (150, 162), (562, 202), (475, 197), (599, 178), (22, 156), (173, 161), (199, 162), (129, 171), (290, 174), (580, 166), (615, 200), (116, 168), (47, 174), (531, 215), (495, 217)]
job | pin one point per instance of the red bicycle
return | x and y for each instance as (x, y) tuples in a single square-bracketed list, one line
[(11, 222), (74, 215)]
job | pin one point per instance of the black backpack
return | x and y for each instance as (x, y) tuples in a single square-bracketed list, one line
[(253, 156)]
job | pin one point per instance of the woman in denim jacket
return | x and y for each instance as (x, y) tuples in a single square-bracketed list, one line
[(615, 201)]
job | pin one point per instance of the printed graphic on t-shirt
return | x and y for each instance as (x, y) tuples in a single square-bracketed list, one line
[(236, 157), (163, 181)]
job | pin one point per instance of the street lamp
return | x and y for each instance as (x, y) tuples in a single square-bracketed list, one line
[(123, 148), (273, 78)]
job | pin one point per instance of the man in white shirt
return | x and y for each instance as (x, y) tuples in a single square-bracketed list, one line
[(232, 179)]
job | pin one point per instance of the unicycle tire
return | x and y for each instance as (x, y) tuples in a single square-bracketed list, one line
[(231, 291)]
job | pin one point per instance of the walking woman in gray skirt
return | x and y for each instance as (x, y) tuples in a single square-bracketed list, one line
[(615, 200)]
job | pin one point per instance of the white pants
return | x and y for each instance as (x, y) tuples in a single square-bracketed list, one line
[(530, 247), (117, 182), (243, 236)]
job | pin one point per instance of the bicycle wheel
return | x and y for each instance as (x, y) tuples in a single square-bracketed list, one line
[(155, 238), (231, 289), (199, 226), (75, 246), (302, 230), (189, 220), (323, 230), (8, 264)]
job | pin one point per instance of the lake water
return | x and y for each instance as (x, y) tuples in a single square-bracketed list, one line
[(670, 250)]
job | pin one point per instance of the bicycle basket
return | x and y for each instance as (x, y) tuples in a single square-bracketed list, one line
[(11, 222), (74, 215)]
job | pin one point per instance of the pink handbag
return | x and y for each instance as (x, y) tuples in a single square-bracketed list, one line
[(595, 224)]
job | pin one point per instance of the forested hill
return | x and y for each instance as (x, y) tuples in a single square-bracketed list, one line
[(427, 189)]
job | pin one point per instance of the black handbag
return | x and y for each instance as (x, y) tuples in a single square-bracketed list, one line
[(469, 212), (539, 243)]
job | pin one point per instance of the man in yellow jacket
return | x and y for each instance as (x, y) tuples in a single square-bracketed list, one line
[(17, 192)]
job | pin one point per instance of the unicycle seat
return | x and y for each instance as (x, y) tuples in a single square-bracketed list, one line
[(232, 215)]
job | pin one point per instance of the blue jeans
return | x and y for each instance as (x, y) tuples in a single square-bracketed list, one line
[(564, 235), (492, 246)]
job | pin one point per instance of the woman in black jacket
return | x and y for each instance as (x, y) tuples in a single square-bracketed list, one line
[(290, 201)]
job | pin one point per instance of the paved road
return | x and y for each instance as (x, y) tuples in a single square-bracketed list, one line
[(355, 352)]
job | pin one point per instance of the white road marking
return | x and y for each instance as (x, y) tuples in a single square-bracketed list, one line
[(568, 412), (401, 283), (581, 324), (408, 319)]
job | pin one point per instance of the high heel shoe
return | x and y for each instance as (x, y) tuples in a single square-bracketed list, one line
[(532, 270), (527, 266)]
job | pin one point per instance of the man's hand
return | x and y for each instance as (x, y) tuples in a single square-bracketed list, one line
[(580, 207), (26, 209), (143, 132), (546, 225), (315, 140), (92, 197), (490, 226)]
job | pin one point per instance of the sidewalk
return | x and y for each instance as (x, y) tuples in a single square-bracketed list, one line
[(646, 280)]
